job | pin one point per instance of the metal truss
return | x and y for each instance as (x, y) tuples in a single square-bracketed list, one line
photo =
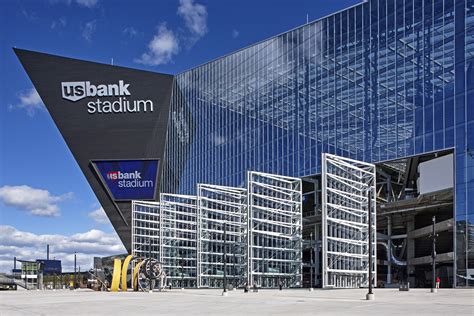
[(170, 229), (178, 239), (275, 230), (222, 245), (145, 230), (346, 184), (251, 236)]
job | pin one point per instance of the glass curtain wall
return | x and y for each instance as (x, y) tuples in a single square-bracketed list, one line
[(382, 80)]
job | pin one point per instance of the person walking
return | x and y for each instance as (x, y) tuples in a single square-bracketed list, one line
[(438, 281)]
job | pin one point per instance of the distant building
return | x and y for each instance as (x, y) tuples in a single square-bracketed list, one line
[(32, 272), (50, 267)]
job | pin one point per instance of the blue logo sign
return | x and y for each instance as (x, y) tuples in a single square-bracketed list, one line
[(129, 179)]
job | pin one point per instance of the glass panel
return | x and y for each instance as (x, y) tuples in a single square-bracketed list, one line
[(383, 80)]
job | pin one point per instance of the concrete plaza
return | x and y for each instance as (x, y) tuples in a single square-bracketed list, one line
[(265, 302)]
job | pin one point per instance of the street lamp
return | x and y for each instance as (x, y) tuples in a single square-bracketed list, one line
[(224, 292), (311, 261), (149, 266), (234, 268), (75, 276), (433, 257), (182, 269), (370, 295)]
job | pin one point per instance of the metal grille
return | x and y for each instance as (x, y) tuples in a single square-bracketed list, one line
[(275, 224), (223, 229), (346, 184), (170, 229), (145, 230), (178, 236), (252, 236)]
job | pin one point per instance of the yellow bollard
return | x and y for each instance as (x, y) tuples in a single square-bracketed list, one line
[(126, 262), (116, 275)]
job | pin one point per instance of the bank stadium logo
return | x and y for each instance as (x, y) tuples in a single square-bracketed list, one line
[(129, 179), (78, 90)]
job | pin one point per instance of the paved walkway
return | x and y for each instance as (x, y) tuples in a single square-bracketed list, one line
[(265, 302)]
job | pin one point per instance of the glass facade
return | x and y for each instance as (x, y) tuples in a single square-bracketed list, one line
[(382, 80)]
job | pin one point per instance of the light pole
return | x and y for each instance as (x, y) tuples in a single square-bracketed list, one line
[(370, 295), (433, 257), (263, 263), (311, 261), (182, 270), (224, 292), (75, 276), (234, 268), (149, 265)]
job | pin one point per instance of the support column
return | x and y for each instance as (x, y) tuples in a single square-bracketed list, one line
[(410, 251), (317, 201), (317, 263), (316, 248), (389, 254)]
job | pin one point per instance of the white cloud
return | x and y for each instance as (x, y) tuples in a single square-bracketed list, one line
[(30, 101), (235, 33), (99, 216), (87, 3), (61, 23), (194, 15), (88, 30), (131, 31), (83, 3), (161, 48), (30, 15), (165, 44), (30, 246), (195, 18), (35, 201)]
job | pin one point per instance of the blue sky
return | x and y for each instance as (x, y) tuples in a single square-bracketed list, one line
[(43, 195)]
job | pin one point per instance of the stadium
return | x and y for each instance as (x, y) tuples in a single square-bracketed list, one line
[(264, 165)]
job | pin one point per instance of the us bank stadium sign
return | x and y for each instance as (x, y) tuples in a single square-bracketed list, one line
[(77, 90), (129, 179)]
